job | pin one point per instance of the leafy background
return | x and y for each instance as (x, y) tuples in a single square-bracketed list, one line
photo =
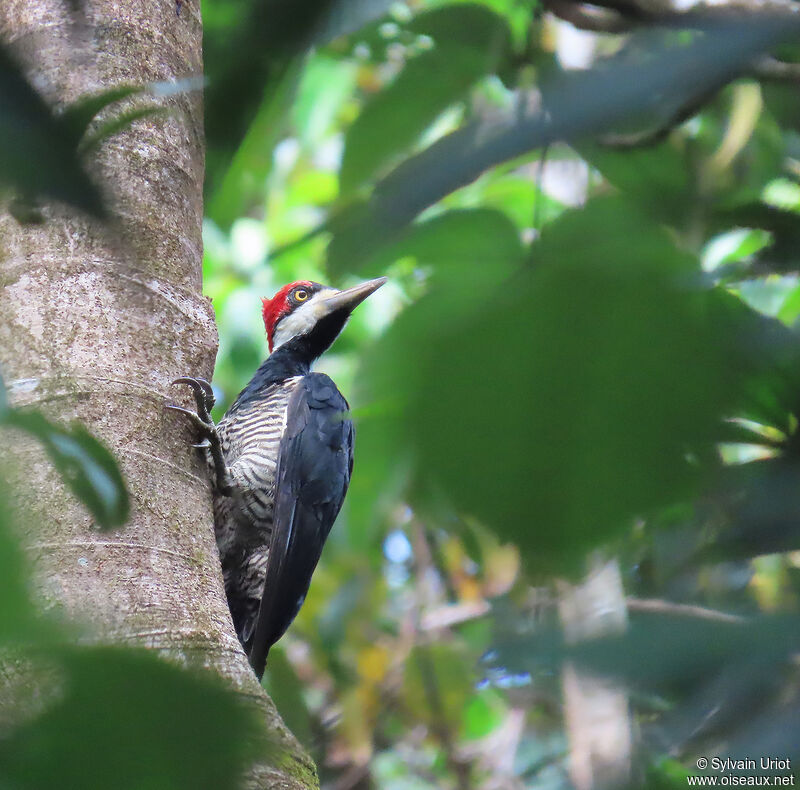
[(587, 349)]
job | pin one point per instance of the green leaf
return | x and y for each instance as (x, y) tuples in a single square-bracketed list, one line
[(37, 159), (781, 255), (736, 245), (471, 252), (566, 400), (484, 712), (253, 53), (17, 617), (116, 124), (87, 467), (470, 41), (286, 691), (790, 310), (659, 178), (473, 238), (129, 720), (77, 116), (249, 166)]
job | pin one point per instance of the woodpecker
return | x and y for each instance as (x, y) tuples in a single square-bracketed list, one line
[(280, 462)]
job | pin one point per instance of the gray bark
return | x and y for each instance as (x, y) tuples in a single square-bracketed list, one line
[(596, 709), (95, 323)]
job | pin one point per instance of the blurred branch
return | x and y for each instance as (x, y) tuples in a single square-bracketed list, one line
[(660, 86), (613, 17), (352, 777), (648, 137), (775, 70), (589, 17), (665, 10), (453, 614), (658, 606), (622, 16)]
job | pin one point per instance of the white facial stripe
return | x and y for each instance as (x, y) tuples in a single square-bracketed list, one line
[(302, 319)]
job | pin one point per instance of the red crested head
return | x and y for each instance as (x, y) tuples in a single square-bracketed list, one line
[(314, 312), (279, 306)]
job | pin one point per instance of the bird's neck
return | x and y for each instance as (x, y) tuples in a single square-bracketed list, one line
[(293, 358), (280, 366), (305, 348)]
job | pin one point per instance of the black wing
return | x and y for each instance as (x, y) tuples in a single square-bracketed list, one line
[(315, 461)]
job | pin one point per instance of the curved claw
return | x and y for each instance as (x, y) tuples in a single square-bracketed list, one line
[(195, 383), (208, 432), (203, 395)]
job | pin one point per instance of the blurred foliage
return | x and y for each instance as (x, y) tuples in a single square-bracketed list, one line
[(42, 150), (172, 729), (86, 466), (588, 346), (580, 348), (38, 150)]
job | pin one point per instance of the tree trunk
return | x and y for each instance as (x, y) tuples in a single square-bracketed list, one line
[(595, 709), (95, 323)]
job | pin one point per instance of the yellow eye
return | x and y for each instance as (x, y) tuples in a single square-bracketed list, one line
[(301, 295)]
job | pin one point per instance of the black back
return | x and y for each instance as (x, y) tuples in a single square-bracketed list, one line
[(315, 461)]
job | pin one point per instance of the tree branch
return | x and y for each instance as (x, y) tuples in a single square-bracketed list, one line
[(576, 106)]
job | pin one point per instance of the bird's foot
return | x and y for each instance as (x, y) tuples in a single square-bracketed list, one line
[(201, 420), (203, 395)]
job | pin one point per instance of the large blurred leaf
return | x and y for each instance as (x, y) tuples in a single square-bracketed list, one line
[(129, 720), (240, 176), (659, 178), (16, 613), (470, 40), (775, 732), (87, 467), (37, 158), (718, 706), (567, 400), (470, 252), (463, 239), (653, 78)]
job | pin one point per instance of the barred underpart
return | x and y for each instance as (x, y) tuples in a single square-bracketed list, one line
[(250, 434)]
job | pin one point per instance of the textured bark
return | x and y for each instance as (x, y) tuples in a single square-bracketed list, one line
[(94, 324)]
